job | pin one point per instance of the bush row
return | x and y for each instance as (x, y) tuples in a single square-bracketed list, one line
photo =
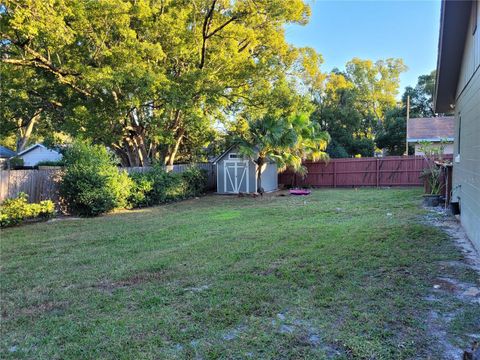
[(158, 186), (92, 183), (14, 211)]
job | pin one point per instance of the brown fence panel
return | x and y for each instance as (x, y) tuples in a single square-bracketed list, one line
[(42, 184), (357, 172)]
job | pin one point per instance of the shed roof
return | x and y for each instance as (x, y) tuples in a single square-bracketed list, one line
[(431, 129), (6, 153)]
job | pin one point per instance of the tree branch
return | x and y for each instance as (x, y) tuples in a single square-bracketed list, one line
[(205, 28)]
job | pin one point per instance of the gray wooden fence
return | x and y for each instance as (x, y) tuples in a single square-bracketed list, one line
[(42, 184)]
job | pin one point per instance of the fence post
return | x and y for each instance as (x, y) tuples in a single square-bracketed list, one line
[(334, 175), (377, 171)]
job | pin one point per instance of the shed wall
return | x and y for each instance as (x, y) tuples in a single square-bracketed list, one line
[(221, 174), (270, 178), (269, 175)]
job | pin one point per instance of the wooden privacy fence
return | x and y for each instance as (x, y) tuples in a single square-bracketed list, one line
[(357, 172), (42, 184), (38, 184)]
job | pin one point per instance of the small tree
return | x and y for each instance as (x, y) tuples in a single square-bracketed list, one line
[(431, 174), (285, 140)]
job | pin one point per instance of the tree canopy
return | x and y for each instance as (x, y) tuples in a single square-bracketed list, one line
[(391, 135), (147, 77), (352, 105)]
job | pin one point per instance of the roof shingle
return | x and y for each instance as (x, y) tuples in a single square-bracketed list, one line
[(431, 129)]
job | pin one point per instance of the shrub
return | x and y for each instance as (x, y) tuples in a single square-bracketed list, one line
[(51, 163), (196, 180), (140, 194), (158, 186), (15, 162), (92, 183), (16, 210), (335, 150)]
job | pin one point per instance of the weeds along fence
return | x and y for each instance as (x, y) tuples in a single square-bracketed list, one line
[(43, 184), (358, 172)]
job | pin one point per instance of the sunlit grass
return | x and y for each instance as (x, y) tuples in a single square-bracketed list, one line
[(338, 274)]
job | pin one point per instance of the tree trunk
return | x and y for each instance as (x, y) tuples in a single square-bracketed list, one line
[(260, 162), (173, 153), (26, 131)]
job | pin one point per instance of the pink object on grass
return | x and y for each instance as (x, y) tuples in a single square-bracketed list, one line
[(299, 192)]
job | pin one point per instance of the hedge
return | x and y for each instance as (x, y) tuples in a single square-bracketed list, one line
[(15, 211)]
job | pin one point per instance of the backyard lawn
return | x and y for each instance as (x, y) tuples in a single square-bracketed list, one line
[(340, 274)]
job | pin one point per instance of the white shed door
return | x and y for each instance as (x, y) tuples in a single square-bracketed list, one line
[(236, 176)]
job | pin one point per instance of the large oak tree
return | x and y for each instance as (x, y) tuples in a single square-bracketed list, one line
[(146, 77)]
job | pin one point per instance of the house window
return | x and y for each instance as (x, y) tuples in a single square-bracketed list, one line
[(234, 156)]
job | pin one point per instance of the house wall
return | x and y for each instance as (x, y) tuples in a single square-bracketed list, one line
[(33, 157), (447, 151), (466, 167)]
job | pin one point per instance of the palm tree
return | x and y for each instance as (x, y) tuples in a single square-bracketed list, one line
[(286, 140)]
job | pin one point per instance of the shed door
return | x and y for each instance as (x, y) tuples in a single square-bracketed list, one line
[(236, 176)]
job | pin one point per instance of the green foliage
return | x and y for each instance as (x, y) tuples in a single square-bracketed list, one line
[(196, 180), (146, 78), (335, 150), (158, 186), (51, 163), (392, 135), (362, 146), (421, 96), (92, 183), (350, 106), (286, 139), (375, 85), (14, 211), (432, 173), (15, 162), (141, 194)]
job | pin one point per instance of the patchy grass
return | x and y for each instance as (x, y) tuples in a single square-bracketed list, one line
[(339, 274)]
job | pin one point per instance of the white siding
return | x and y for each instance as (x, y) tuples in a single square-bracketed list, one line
[(466, 172), (471, 53), (447, 151), (33, 157)]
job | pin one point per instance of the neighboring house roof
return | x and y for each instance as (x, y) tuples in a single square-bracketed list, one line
[(431, 129), (33, 147), (6, 153), (454, 22)]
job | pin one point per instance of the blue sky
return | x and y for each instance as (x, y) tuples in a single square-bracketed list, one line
[(341, 30)]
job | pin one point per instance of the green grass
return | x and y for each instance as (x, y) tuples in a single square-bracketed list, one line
[(339, 274)]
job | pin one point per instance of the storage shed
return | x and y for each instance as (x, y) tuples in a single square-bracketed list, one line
[(238, 174)]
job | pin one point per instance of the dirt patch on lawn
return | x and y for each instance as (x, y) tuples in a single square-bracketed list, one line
[(36, 310), (450, 294), (134, 280)]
